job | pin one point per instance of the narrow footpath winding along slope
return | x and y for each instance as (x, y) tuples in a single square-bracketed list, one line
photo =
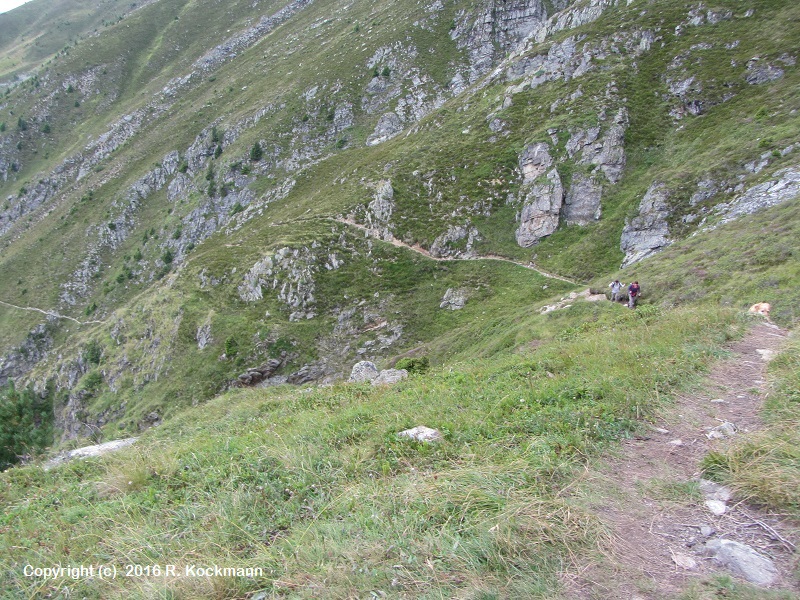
[(658, 518), (420, 250)]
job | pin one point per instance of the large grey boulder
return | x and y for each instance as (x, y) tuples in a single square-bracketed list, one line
[(743, 561), (648, 232), (454, 299), (541, 210), (363, 371), (390, 377)]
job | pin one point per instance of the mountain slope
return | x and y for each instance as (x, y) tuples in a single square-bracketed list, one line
[(185, 190), (195, 194)]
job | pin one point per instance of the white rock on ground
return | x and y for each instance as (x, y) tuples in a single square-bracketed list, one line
[(390, 376), (715, 491), (719, 432), (717, 507), (364, 371), (766, 355), (744, 561), (684, 561), (421, 433), (87, 451)]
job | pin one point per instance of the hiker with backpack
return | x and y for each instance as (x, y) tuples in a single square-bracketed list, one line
[(616, 288), (633, 294)]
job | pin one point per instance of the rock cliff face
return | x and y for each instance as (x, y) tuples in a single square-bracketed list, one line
[(379, 211), (593, 155), (289, 274), (540, 213), (648, 232), (22, 359), (785, 186), (582, 202), (496, 29)]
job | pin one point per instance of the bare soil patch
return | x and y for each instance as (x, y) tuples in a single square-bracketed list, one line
[(649, 498)]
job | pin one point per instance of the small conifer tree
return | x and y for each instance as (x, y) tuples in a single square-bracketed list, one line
[(256, 152)]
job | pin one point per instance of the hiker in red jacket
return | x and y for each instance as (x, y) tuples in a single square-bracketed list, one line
[(633, 294)]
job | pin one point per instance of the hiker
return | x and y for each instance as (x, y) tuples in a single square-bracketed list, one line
[(616, 288), (633, 294)]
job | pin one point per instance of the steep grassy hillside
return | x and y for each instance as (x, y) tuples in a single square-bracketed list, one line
[(36, 32), (315, 488), (201, 199), (190, 191)]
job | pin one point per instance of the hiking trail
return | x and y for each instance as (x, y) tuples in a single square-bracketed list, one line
[(639, 494), (420, 250), (49, 313)]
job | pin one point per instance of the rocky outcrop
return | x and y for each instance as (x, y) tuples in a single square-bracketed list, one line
[(611, 158), (379, 211), (21, 360), (541, 209), (582, 202), (454, 299), (562, 62), (29, 199), (534, 161), (541, 196), (399, 90), (390, 377), (497, 29), (546, 202), (244, 39), (606, 152), (389, 125), (111, 234), (575, 16), (363, 371), (687, 90), (126, 127), (289, 273), (118, 133), (259, 374), (457, 242), (759, 72), (648, 232), (784, 187), (308, 374), (203, 336)]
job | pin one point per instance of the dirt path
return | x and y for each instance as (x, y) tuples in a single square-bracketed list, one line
[(646, 496), (420, 250), (48, 313)]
